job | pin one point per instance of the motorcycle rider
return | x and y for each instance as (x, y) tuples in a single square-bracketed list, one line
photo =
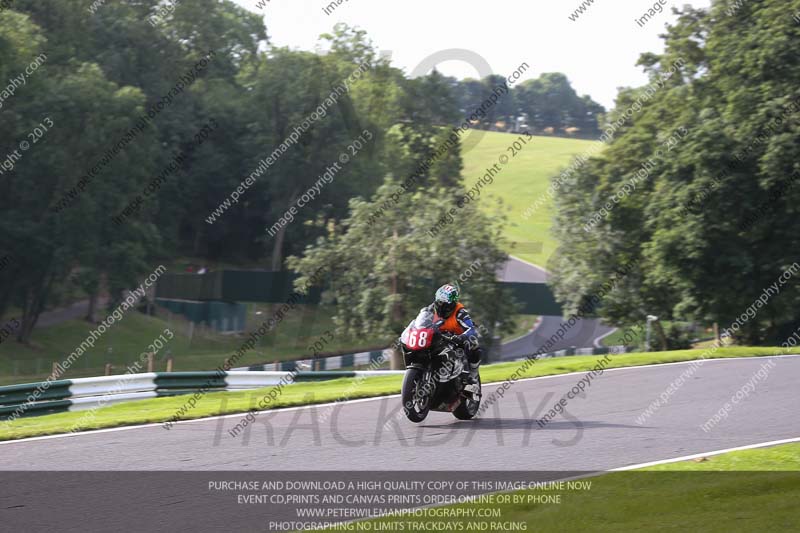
[(452, 317)]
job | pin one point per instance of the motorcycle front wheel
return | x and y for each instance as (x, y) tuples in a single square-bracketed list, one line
[(416, 400)]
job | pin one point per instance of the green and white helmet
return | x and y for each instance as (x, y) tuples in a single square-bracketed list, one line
[(446, 299)]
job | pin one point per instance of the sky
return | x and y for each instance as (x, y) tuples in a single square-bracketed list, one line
[(597, 51)]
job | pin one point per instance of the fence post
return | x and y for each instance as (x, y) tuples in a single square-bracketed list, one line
[(169, 364), (151, 362), (108, 369)]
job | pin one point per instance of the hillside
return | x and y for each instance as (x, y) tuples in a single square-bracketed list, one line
[(204, 350), (523, 180)]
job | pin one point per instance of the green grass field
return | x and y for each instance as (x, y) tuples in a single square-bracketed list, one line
[(162, 409), (748, 490), (525, 178)]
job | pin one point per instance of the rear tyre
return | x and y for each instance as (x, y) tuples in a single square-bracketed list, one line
[(468, 408), (416, 401)]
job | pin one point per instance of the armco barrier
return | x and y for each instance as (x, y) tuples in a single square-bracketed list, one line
[(16, 394), (333, 362), (87, 393)]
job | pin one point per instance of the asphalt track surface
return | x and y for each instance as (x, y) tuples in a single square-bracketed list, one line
[(583, 334), (598, 432), (172, 471)]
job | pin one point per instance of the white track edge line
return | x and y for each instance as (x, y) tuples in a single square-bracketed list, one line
[(601, 337), (706, 454), (529, 264)]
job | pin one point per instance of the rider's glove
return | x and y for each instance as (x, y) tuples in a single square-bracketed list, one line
[(458, 341)]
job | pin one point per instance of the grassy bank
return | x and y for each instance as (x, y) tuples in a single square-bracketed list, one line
[(523, 180), (523, 324), (122, 344), (162, 409)]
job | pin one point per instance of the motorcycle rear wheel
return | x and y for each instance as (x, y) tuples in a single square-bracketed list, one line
[(468, 408)]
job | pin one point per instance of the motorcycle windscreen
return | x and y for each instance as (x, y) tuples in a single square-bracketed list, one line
[(419, 333)]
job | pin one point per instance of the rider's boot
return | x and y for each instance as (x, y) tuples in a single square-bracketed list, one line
[(472, 379)]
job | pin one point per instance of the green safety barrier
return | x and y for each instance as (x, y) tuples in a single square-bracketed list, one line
[(189, 380), (17, 394)]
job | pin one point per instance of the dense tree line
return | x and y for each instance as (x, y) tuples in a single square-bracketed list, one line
[(698, 185), (139, 128), (547, 104)]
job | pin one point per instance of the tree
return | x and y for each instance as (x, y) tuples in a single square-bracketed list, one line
[(380, 274), (549, 101), (78, 115), (723, 132)]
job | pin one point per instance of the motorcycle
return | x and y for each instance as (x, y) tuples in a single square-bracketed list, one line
[(437, 372)]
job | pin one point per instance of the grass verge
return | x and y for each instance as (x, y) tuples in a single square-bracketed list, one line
[(162, 409), (750, 490)]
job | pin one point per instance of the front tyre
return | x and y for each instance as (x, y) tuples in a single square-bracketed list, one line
[(469, 407), (416, 399)]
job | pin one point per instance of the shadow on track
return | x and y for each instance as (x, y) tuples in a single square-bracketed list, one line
[(493, 424)]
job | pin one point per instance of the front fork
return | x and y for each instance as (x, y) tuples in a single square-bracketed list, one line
[(426, 386)]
